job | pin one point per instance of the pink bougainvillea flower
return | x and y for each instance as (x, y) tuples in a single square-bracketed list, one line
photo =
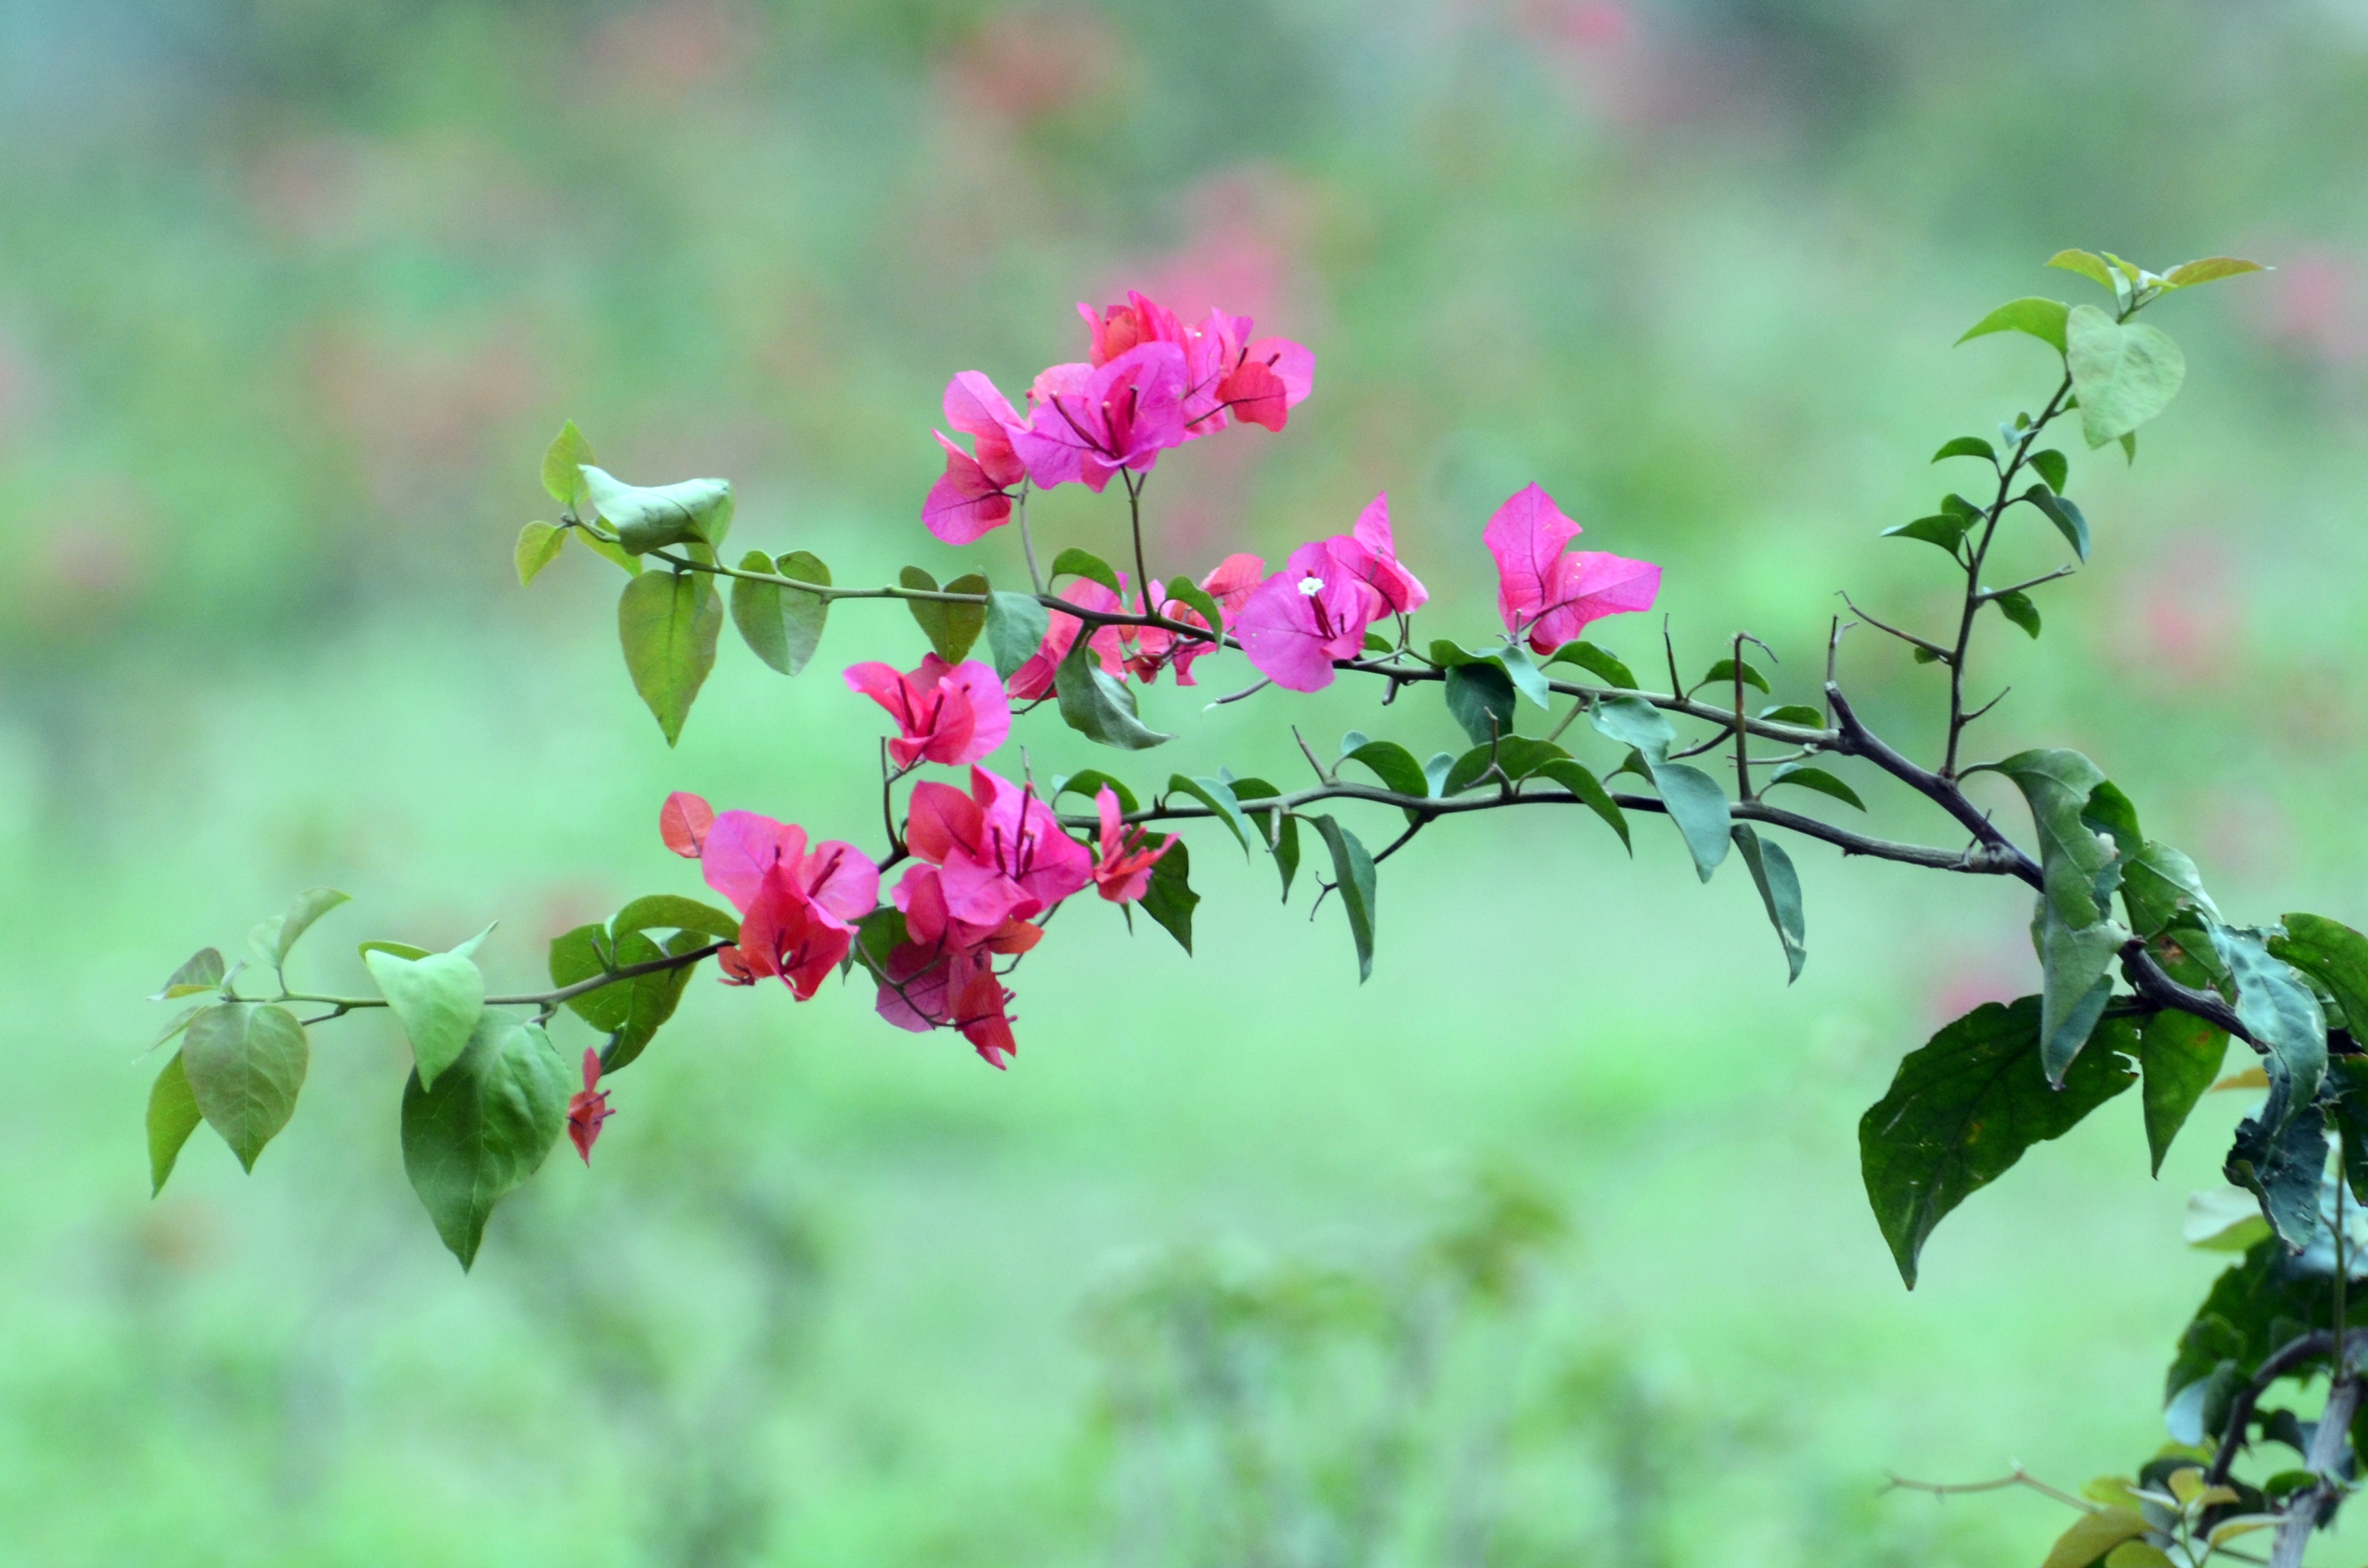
[(998, 853), (926, 987), (1370, 555), (949, 713), (1122, 870), (797, 908), (1033, 679), (785, 932), (1304, 617), (1550, 596), (683, 823), (588, 1108), (974, 494), (1155, 648), (1090, 422), (1228, 375), (1234, 580)]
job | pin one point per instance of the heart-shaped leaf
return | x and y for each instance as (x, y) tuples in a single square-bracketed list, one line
[(951, 627), (2124, 372), (485, 1128), (1098, 706), (1016, 625), (538, 545), (244, 1063), (437, 999), (667, 623), (781, 626)]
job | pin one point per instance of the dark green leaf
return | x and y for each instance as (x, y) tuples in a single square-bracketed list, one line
[(1480, 698), (2053, 466), (2179, 1055), (1098, 706), (2017, 607), (648, 518), (1956, 506), (1352, 872), (1522, 670), (2108, 812), (172, 1115), (1694, 800), (1281, 830), (2067, 517), (1395, 767), (2254, 1307), (1085, 563), (1962, 1111), (2279, 1010), (2130, 448), (201, 970), (2347, 1112), (1170, 899), (485, 1128), (1939, 529), (668, 622), (2124, 372), (2085, 264), (1780, 891), (2160, 887), (2042, 319), (563, 465), (1183, 590), (1016, 625), (951, 627), (1574, 778), (2057, 785), (1967, 446), (1089, 782), (666, 910), (1816, 778), (1595, 662), (2076, 982), (245, 1063), (1469, 770), (538, 545), (2333, 953), (1724, 671), (1794, 713), (1447, 656), (1218, 796), (437, 999), (877, 935), (1521, 757), (2283, 1166), (1926, 656), (2210, 269)]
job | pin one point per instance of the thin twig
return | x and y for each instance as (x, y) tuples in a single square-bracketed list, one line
[(2020, 1477)]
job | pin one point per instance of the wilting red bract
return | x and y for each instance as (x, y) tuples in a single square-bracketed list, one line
[(589, 1108)]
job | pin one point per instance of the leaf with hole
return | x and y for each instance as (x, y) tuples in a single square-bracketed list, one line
[(485, 1126), (244, 1063)]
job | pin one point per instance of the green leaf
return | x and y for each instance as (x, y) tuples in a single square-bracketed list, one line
[(2160, 887), (1724, 671), (1780, 891), (2076, 982), (2076, 864), (1524, 672), (2139, 1554), (538, 545), (2349, 1110), (2179, 1055), (1016, 625), (877, 935), (648, 518), (1075, 563), (611, 551), (1218, 796), (2093, 1535), (2067, 517), (2129, 447), (1394, 766), (172, 1115), (1468, 770), (1595, 662), (1816, 778), (666, 910), (1941, 529), (781, 626), (2087, 264), (1280, 829), (1694, 800), (2124, 372), (2053, 467), (1170, 899), (308, 907), (2332, 953), (1096, 706), (400, 950), (667, 624), (1447, 656), (2017, 607), (1583, 784), (563, 465), (1377, 643), (245, 1063), (2042, 319), (1962, 1111), (1088, 782), (180, 1022), (201, 970), (437, 999), (632, 1011), (483, 1128), (1185, 591), (2279, 1010), (1480, 698), (2283, 1165), (2210, 269), (1794, 713), (1956, 506), (1967, 446), (951, 627), (1352, 872)]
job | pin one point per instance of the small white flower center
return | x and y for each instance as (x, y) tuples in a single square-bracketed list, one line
[(1311, 585)]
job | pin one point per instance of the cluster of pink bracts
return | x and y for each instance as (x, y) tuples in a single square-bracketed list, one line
[(987, 866)]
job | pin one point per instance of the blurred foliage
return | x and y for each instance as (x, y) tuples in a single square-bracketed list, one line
[(291, 295)]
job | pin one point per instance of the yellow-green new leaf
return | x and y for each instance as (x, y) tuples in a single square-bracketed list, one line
[(2093, 1535), (2042, 319), (538, 545), (563, 465), (2209, 269)]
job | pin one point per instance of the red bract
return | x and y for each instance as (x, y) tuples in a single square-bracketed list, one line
[(1370, 554), (1549, 595), (1227, 374), (948, 713), (683, 823), (974, 494), (797, 909), (1304, 617), (589, 1108), (1033, 679), (1122, 870), (1090, 423)]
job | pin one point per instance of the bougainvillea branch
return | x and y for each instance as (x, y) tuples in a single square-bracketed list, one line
[(2142, 978)]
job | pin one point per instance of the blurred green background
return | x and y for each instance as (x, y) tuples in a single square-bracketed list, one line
[(293, 292)]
